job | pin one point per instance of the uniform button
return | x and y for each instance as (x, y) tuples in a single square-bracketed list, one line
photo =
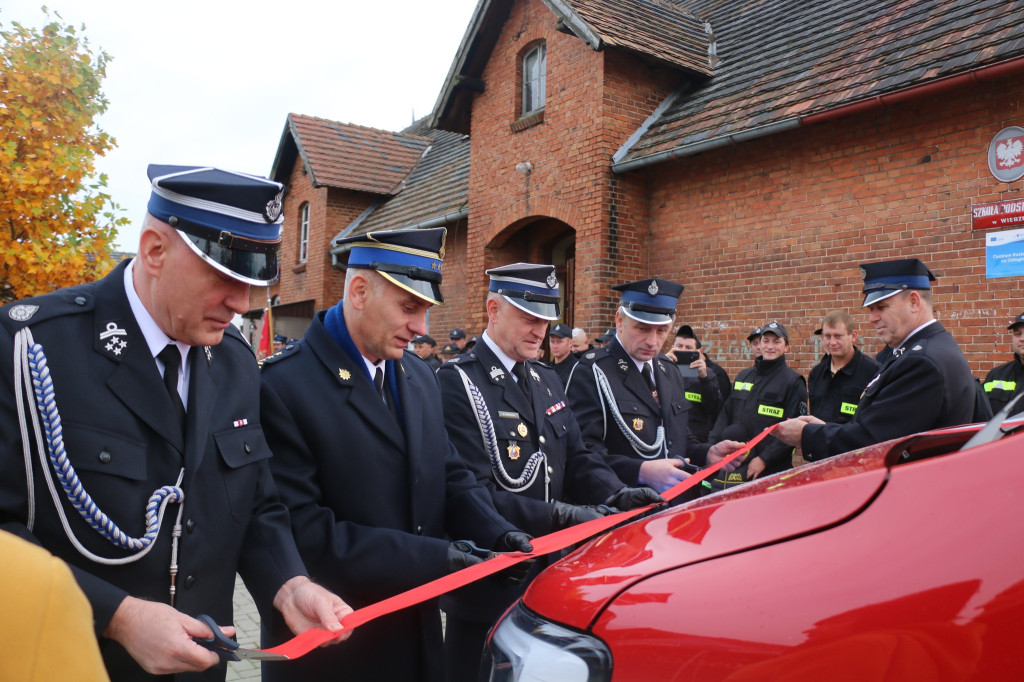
[(289, 346), (551, 469), (541, 439), (512, 433), (80, 300), (190, 525), (419, 530), (189, 582), (104, 456), (247, 448)]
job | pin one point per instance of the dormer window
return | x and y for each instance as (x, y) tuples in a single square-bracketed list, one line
[(534, 79), (304, 232)]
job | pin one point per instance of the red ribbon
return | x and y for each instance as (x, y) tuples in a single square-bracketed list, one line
[(546, 544)]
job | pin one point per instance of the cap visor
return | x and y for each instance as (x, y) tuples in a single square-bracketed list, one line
[(545, 311), (428, 291), (879, 295), (256, 268), (646, 317)]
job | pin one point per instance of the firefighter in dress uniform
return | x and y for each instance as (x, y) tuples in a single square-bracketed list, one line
[(925, 384), (507, 415), (145, 467), (379, 499), (630, 400)]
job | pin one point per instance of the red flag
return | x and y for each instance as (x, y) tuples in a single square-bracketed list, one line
[(266, 335)]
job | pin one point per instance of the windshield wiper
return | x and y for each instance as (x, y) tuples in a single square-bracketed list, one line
[(993, 429)]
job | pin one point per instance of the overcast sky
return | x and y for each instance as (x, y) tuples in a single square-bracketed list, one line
[(211, 82)]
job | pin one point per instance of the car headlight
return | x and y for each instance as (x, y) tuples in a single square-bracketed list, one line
[(527, 648)]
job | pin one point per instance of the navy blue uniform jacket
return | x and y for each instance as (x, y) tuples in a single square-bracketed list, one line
[(371, 501), (123, 438), (641, 412), (928, 387), (577, 475)]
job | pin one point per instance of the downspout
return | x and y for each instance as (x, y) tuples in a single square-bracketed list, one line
[(979, 75)]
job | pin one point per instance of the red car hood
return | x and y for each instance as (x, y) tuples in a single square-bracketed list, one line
[(575, 590)]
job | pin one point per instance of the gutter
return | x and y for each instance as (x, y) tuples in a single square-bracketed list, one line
[(439, 221), (983, 74)]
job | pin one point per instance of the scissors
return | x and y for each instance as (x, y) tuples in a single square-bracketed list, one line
[(228, 649)]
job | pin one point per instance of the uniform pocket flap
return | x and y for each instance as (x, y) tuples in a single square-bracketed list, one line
[(242, 446)]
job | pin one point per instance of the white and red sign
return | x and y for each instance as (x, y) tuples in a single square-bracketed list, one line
[(1002, 214), (1006, 154)]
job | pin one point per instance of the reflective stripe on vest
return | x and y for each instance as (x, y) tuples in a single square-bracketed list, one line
[(848, 408), (743, 386), (693, 397), (770, 411), (1004, 385)]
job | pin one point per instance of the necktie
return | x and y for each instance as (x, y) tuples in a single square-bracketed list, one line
[(171, 358), (649, 380), (519, 369), (378, 381)]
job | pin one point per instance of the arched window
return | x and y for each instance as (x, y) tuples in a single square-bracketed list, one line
[(534, 78), (304, 232)]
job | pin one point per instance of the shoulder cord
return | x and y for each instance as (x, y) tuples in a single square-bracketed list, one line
[(29, 356), (652, 451), (534, 463)]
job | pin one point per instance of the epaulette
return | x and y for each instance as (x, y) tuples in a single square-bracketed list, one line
[(288, 351), (592, 356), (41, 308)]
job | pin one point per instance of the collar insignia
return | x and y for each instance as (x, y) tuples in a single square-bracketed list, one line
[(113, 336), (623, 365), (496, 373), (533, 373), (344, 374)]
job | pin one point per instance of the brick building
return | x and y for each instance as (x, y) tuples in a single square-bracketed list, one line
[(756, 152)]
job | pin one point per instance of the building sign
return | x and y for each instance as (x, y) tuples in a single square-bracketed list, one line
[(1000, 214), (1006, 154), (1004, 254)]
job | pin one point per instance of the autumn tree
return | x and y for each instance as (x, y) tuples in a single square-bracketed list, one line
[(57, 224)]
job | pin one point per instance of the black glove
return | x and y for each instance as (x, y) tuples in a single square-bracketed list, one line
[(631, 498), (514, 541), (565, 515), (463, 554)]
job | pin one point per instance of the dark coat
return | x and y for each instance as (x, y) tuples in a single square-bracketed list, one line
[(762, 395), (834, 398), (1002, 383), (577, 475), (564, 368), (371, 501), (928, 387), (123, 439), (641, 412)]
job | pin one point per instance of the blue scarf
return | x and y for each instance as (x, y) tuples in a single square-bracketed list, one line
[(334, 323)]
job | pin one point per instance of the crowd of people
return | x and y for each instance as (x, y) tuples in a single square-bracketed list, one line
[(157, 458)]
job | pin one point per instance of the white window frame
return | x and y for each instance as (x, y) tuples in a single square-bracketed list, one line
[(304, 232), (534, 79)]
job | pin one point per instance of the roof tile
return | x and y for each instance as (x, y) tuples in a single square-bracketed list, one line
[(355, 157)]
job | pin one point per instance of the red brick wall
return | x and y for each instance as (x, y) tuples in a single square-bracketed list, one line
[(776, 228), (595, 100), (331, 210)]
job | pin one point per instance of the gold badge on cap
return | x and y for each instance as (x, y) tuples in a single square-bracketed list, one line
[(513, 451), (522, 430), (638, 424)]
